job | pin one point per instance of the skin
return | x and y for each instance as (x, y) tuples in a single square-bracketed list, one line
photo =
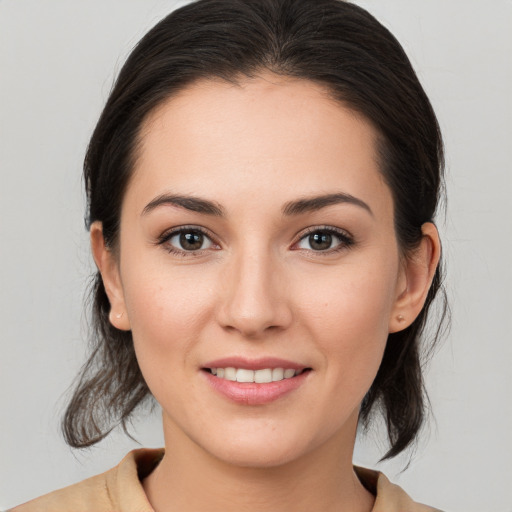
[(259, 288)]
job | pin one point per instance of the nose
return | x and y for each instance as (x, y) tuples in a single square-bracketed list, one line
[(254, 296)]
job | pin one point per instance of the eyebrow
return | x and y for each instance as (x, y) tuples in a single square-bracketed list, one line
[(191, 203), (207, 207), (310, 204)]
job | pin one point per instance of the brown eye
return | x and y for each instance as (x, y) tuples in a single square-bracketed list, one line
[(325, 240), (320, 241), (189, 240)]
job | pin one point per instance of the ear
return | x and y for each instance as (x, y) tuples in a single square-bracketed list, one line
[(108, 265), (415, 279)]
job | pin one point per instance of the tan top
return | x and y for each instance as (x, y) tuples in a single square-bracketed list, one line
[(120, 490)]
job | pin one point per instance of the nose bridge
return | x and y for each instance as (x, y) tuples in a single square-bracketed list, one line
[(254, 298)]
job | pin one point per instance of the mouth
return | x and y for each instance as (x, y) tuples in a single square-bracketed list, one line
[(255, 381), (260, 376)]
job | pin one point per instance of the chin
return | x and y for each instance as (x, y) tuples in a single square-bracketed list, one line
[(259, 457), (272, 447)]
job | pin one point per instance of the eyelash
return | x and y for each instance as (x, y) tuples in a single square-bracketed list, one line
[(168, 235), (345, 239)]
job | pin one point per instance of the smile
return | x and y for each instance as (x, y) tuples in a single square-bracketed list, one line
[(255, 381), (262, 376)]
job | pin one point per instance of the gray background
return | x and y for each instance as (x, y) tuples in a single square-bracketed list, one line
[(57, 62)]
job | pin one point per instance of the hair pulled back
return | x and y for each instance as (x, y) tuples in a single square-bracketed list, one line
[(331, 42)]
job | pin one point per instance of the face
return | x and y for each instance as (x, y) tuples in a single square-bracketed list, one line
[(257, 244)]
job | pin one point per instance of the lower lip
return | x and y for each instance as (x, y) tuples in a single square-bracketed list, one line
[(251, 393)]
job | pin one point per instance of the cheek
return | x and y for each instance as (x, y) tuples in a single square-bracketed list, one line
[(166, 308), (347, 314), (352, 301)]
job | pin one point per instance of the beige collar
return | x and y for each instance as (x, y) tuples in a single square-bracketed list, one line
[(139, 463), (120, 490)]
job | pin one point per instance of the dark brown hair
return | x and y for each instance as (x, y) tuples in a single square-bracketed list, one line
[(331, 42)]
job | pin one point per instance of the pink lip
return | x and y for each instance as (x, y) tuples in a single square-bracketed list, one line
[(251, 393), (254, 364)]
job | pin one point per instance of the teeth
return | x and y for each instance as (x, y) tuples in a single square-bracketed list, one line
[(263, 376), (230, 373), (244, 375), (277, 374), (259, 376)]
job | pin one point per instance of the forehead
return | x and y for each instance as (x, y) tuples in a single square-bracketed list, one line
[(257, 135)]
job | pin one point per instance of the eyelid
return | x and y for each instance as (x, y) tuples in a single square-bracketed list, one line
[(176, 230), (346, 238)]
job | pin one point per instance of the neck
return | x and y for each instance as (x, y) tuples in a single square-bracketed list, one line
[(189, 479)]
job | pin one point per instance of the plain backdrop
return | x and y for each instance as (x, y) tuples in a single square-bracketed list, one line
[(58, 59)]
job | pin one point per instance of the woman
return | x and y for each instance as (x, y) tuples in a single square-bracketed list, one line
[(261, 186)]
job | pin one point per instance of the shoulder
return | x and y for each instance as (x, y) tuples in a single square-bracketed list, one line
[(91, 494), (116, 490), (389, 497)]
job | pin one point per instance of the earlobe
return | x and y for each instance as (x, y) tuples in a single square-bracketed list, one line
[(107, 264), (418, 272)]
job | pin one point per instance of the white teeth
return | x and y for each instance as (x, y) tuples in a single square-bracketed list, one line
[(289, 373), (244, 375), (263, 376), (230, 373), (277, 374)]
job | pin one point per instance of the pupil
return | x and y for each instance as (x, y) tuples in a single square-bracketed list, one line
[(320, 241), (191, 240)]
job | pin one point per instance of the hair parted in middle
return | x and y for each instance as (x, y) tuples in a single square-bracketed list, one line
[(360, 63)]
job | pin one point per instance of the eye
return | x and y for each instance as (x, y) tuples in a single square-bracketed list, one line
[(324, 240), (186, 240)]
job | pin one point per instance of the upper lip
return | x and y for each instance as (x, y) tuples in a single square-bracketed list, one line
[(254, 364)]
